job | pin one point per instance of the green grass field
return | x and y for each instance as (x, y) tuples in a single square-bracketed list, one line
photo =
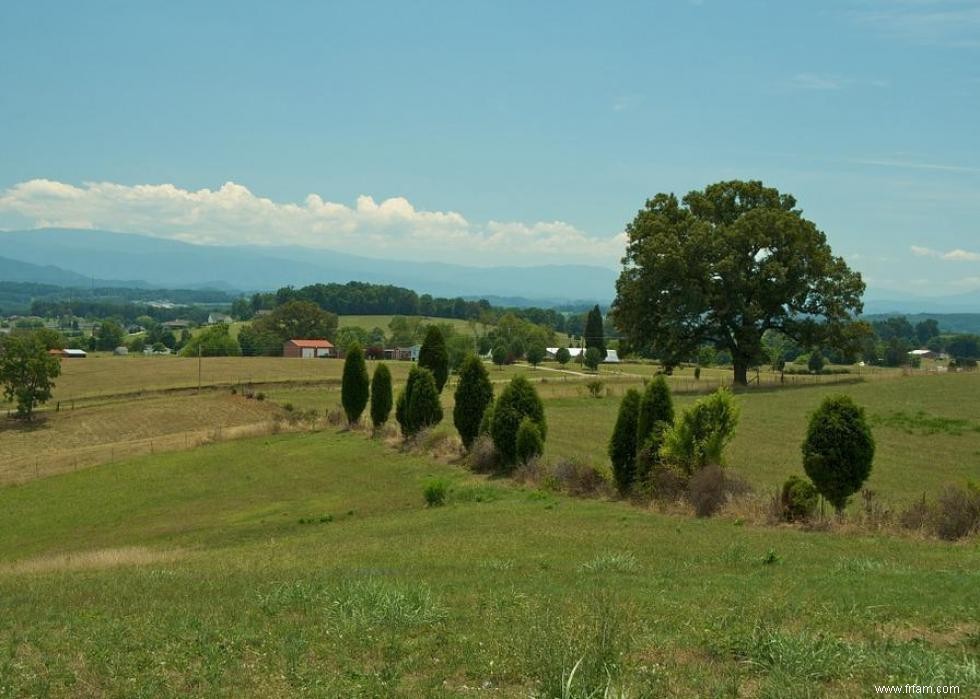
[(307, 565)]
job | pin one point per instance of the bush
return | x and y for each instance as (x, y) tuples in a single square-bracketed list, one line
[(622, 445), (577, 478), (957, 512), (483, 455), (381, 396), (517, 401), (562, 356), (435, 491), (815, 362), (838, 449), (595, 387), (529, 443), (535, 353), (418, 405), (708, 490), (798, 500), (499, 355), (593, 357), (260, 396), (473, 395), (700, 435), (434, 356), (355, 385)]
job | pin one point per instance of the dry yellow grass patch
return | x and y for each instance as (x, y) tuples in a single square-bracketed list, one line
[(91, 560), (71, 439)]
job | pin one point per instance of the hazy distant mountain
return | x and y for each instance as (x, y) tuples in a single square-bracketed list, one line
[(878, 303), (20, 271), (171, 263)]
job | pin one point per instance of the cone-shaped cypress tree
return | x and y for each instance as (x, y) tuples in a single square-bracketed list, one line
[(418, 405), (434, 356), (656, 406), (355, 385), (473, 394), (517, 401), (594, 334), (622, 445), (381, 397)]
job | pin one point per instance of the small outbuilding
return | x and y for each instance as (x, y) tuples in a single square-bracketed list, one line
[(74, 353), (121, 351), (308, 349)]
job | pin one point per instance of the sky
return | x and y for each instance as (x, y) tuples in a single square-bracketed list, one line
[(496, 132)]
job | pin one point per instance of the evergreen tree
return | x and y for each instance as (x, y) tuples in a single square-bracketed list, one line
[(473, 394), (656, 411), (418, 405), (434, 356), (355, 384), (623, 445), (594, 334), (838, 449), (517, 401), (381, 397), (529, 444), (654, 417)]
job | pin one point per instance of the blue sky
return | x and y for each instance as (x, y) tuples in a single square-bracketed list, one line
[(469, 131)]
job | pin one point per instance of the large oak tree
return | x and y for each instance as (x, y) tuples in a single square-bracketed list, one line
[(723, 266)]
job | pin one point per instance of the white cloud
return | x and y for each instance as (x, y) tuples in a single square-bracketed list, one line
[(956, 255), (943, 22), (233, 215)]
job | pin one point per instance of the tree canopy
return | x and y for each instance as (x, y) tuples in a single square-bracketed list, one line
[(723, 266), (26, 372)]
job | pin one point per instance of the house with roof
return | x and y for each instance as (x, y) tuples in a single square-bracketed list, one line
[(404, 354), (308, 349), (215, 318)]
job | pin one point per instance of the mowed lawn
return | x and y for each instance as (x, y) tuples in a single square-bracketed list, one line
[(308, 565)]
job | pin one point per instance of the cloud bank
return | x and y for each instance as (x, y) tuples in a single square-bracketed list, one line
[(233, 215), (957, 255)]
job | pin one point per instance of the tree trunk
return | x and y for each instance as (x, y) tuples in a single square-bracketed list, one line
[(741, 371)]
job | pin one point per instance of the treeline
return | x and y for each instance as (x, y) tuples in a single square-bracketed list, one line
[(361, 298), (893, 338)]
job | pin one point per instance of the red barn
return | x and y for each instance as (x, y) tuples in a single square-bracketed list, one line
[(308, 349)]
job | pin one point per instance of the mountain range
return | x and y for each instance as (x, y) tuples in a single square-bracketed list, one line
[(84, 257), (73, 253)]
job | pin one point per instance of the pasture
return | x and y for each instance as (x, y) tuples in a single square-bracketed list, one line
[(307, 565)]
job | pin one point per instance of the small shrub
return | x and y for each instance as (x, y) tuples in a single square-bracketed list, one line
[(260, 396), (798, 500), (435, 492), (838, 449), (334, 417), (593, 357), (957, 512), (483, 457), (234, 391), (709, 488), (288, 407), (700, 435), (595, 387), (611, 563), (577, 478), (770, 558), (517, 401), (916, 516), (529, 442)]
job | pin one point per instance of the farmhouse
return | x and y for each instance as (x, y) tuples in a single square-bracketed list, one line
[(215, 318), (405, 354), (308, 349), (925, 354)]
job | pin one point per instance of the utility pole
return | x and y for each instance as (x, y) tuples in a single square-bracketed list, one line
[(198, 367)]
